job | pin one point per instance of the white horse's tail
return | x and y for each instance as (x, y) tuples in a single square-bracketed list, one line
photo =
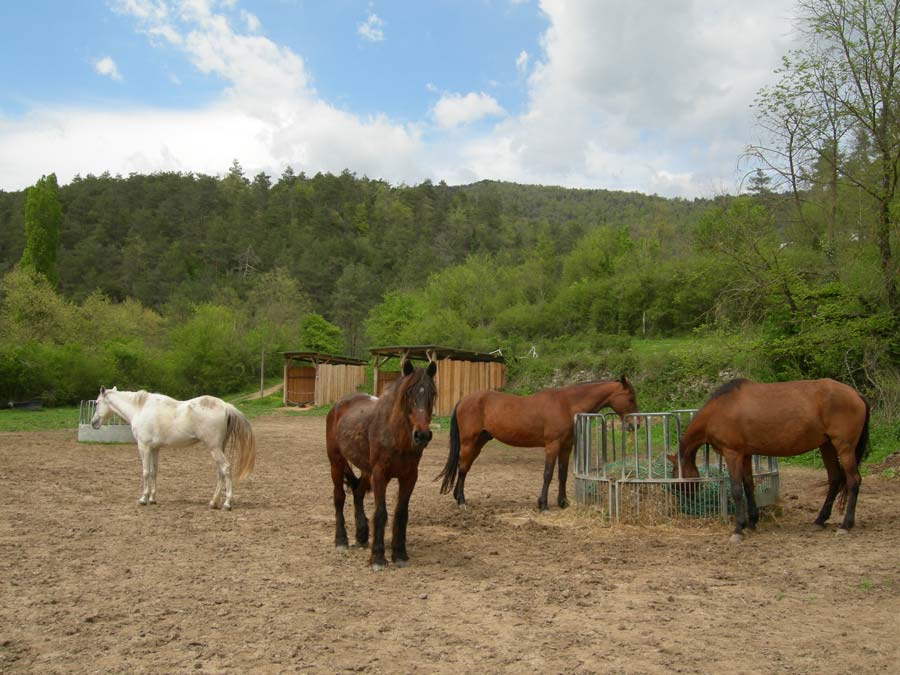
[(240, 442)]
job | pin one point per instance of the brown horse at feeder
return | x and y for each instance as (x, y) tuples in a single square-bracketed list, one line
[(542, 419), (744, 418), (384, 438)]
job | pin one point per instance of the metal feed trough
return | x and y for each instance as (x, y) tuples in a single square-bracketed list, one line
[(628, 477), (114, 430)]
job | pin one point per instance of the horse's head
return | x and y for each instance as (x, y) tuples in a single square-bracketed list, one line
[(102, 410), (688, 464), (418, 392), (624, 402)]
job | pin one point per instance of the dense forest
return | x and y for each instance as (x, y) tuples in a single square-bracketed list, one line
[(179, 282)]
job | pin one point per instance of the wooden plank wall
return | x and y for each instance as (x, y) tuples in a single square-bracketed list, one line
[(300, 384), (385, 378), (335, 381), (455, 379)]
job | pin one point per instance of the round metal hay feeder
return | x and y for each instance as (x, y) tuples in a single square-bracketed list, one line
[(628, 478), (114, 430)]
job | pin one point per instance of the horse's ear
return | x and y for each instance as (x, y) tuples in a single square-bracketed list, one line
[(408, 367), (431, 369), (102, 390), (623, 380)]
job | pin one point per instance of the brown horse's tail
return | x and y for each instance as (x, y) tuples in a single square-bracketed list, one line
[(451, 469), (240, 442), (862, 446)]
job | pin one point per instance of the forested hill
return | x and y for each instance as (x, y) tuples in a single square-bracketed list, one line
[(187, 238)]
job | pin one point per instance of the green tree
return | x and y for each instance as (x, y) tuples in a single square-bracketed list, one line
[(319, 335), (43, 214), (842, 88)]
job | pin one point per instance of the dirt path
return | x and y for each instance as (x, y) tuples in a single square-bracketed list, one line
[(91, 582)]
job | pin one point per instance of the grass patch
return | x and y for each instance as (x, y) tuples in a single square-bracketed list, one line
[(47, 419)]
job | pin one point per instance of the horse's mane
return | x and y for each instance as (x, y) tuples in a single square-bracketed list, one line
[(729, 387), (139, 397)]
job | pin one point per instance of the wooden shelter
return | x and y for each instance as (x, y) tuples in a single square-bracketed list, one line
[(311, 377), (459, 372)]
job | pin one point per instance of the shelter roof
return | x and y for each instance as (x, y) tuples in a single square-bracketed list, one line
[(426, 352), (318, 357)]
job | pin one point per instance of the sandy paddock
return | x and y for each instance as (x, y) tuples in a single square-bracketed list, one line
[(91, 582)]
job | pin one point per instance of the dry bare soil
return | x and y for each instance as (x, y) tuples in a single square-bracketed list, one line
[(92, 582)]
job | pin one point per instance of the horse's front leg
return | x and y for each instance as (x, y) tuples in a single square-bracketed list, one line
[(735, 463), (144, 453), (750, 492), (379, 490), (551, 451), (401, 517)]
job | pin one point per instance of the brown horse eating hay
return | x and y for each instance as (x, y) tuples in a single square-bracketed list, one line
[(383, 437), (542, 419), (744, 418)]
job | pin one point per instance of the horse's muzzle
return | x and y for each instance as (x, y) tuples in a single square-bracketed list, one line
[(95, 422), (421, 438)]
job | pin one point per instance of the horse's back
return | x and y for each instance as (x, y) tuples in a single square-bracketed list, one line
[(519, 421), (772, 417)]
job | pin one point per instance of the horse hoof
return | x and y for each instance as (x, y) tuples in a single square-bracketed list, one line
[(841, 531), (401, 563), (341, 547), (226, 507), (819, 526), (142, 502), (213, 505), (377, 567), (737, 538)]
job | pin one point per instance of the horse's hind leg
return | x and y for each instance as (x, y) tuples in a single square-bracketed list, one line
[(469, 452), (154, 467), (847, 458), (835, 481), (338, 468), (223, 476), (551, 452), (362, 524)]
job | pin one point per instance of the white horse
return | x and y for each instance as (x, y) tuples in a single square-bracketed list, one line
[(157, 420)]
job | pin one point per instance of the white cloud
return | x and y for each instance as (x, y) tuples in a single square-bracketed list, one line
[(107, 67), (638, 96), (252, 22), (452, 110), (522, 61), (372, 28)]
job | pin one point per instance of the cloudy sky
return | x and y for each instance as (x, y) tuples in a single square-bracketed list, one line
[(646, 95)]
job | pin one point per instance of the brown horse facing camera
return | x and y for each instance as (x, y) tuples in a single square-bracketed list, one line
[(542, 419), (384, 438), (744, 418)]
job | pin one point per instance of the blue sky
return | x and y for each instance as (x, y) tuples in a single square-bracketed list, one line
[(645, 95)]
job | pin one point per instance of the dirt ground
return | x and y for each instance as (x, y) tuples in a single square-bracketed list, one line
[(92, 582)]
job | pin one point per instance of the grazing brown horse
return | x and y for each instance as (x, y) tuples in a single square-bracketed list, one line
[(542, 419), (384, 438), (744, 418)]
